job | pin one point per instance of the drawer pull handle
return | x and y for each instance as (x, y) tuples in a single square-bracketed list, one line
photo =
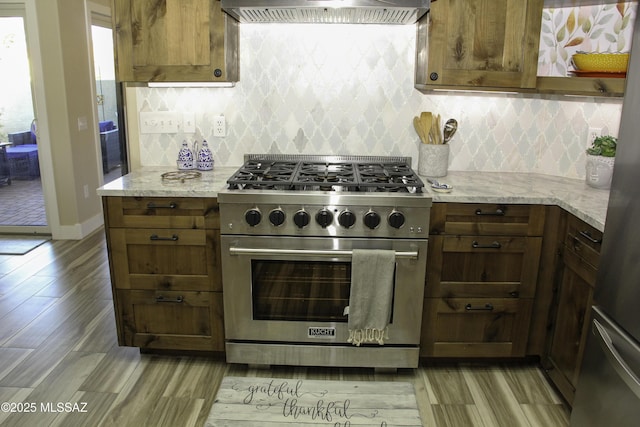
[(497, 212), (172, 205), (178, 299), (487, 307), (155, 237), (587, 235), (494, 245)]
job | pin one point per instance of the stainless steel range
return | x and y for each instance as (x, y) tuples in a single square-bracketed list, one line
[(289, 227)]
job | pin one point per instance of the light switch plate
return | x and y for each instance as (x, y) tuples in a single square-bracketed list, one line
[(189, 122), (82, 123), (160, 122)]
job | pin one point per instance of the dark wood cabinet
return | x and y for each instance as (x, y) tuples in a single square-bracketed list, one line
[(570, 313), (493, 45), (482, 270), (175, 41), (165, 272), (479, 44)]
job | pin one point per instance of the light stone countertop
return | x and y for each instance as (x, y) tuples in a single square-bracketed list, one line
[(148, 182), (573, 195)]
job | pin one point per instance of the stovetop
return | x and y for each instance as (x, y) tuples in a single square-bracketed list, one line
[(325, 196), (326, 173)]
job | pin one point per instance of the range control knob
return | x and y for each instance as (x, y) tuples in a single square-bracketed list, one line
[(276, 217), (372, 219), (301, 218), (253, 216), (396, 219), (324, 217), (346, 218)]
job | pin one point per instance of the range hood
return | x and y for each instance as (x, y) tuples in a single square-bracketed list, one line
[(327, 11)]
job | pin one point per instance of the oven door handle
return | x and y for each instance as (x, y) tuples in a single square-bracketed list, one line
[(309, 252)]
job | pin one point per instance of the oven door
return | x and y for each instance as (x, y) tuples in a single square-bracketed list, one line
[(292, 289)]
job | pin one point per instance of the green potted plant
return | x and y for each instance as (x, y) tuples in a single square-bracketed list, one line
[(600, 160)]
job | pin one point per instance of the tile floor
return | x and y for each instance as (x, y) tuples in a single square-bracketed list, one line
[(58, 343), (22, 202)]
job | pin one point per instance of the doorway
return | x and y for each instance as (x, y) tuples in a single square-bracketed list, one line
[(108, 97), (22, 204)]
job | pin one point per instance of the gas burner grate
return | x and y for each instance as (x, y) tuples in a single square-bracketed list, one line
[(325, 176), (390, 177), (309, 175), (263, 175)]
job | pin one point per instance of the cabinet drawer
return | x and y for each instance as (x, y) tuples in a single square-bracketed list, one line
[(580, 267), (583, 240), (165, 259), (475, 327), (487, 219), (162, 212), (480, 266), (171, 320)]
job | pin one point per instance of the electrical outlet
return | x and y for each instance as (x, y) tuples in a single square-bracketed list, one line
[(219, 126), (593, 134), (85, 188)]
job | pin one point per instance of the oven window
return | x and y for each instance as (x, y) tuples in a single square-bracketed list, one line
[(300, 290)]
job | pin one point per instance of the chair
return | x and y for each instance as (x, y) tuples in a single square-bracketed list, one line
[(20, 138), (22, 155), (110, 147), (5, 173), (23, 161)]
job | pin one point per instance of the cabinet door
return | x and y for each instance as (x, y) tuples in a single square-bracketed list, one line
[(483, 44), (575, 297), (171, 320), (175, 40)]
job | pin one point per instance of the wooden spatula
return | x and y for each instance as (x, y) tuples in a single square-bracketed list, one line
[(426, 119), (417, 124)]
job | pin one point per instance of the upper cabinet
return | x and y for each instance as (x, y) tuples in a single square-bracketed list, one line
[(175, 41), (521, 46), (479, 44)]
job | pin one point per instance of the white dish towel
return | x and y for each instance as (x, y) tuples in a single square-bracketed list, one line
[(371, 297)]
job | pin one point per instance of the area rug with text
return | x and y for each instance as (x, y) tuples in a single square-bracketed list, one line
[(250, 401)]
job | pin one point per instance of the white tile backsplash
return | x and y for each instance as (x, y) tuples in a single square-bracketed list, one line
[(348, 89)]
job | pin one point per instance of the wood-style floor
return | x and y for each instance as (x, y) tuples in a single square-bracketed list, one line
[(59, 359)]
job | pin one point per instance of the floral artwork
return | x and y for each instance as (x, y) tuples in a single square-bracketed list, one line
[(568, 30)]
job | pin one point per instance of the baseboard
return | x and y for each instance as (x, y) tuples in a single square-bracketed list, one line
[(77, 231)]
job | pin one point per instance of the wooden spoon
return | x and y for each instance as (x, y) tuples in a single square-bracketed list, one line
[(426, 119), (438, 135), (418, 127), (433, 131)]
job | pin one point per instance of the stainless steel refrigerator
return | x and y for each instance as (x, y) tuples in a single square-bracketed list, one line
[(608, 388)]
